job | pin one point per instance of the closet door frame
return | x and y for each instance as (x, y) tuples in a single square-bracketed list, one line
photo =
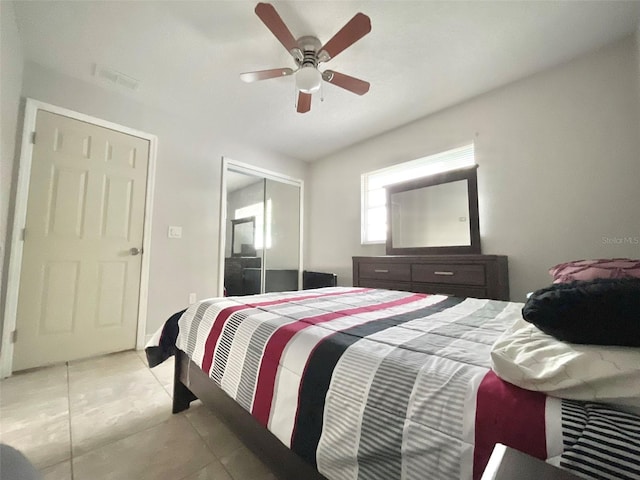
[(247, 169)]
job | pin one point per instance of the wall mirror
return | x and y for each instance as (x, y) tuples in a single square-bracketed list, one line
[(243, 237), (434, 215)]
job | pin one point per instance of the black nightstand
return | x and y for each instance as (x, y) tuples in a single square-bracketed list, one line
[(509, 464)]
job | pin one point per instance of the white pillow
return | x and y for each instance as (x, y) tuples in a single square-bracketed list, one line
[(533, 360)]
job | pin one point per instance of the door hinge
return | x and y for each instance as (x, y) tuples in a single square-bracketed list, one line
[(14, 336), (23, 234), (33, 138)]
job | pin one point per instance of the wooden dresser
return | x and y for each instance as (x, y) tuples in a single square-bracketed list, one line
[(479, 276)]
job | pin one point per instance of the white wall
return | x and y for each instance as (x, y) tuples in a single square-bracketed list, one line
[(11, 66), (187, 191), (558, 176)]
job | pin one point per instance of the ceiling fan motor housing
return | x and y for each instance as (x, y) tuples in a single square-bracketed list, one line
[(309, 47)]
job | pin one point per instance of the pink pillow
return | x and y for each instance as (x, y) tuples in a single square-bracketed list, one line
[(592, 269)]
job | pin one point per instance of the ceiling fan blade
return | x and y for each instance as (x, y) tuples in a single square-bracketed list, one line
[(355, 85), (354, 30), (249, 77), (272, 20), (304, 102)]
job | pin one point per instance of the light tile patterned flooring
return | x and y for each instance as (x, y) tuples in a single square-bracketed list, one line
[(110, 418)]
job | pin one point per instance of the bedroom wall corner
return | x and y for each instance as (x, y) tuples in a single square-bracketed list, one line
[(558, 169), (11, 72)]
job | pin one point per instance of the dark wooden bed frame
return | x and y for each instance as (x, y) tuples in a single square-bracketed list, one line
[(191, 383)]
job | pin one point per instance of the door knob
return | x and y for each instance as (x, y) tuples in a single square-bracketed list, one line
[(134, 251)]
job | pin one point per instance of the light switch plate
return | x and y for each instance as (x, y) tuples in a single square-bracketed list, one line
[(174, 232)]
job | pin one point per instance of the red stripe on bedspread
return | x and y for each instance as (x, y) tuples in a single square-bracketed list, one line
[(510, 415), (214, 335), (223, 316), (279, 340)]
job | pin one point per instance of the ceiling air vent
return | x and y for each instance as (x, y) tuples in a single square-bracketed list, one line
[(115, 77)]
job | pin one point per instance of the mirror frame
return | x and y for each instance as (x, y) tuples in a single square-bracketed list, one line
[(234, 224), (470, 175)]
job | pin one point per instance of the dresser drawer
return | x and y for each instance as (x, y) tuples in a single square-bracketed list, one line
[(386, 271), (443, 273), (449, 290)]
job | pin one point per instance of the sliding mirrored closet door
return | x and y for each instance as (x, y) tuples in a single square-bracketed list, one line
[(262, 242), (244, 242), (282, 233)]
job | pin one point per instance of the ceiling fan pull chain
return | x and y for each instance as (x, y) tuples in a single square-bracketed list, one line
[(322, 92)]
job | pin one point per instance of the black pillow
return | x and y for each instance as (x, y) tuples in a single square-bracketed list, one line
[(599, 312)]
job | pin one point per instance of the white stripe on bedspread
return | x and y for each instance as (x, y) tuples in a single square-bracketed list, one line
[(344, 408), (238, 352)]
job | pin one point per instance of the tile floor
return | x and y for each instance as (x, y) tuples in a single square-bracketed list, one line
[(110, 418)]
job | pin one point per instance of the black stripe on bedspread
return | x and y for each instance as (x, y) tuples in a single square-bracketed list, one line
[(320, 367), (600, 442)]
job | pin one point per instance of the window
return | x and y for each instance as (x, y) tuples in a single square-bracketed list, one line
[(257, 210), (374, 198)]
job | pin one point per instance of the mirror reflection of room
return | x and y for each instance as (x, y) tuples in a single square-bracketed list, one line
[(283, 234), (245, 202), (243, 237), (432, 216), (262, 235)]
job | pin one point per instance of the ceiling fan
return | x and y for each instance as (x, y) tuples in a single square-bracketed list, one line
[(308, 53)]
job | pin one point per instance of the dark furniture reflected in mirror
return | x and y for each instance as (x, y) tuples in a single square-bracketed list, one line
[(243, 237), (276, 280), (434, 215), (234, 274)]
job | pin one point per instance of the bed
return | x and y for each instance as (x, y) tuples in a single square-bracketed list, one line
[(346, 383)]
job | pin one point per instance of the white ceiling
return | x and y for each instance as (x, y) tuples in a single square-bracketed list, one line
[(420, 57)]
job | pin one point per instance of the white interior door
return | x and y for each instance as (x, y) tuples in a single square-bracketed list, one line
[(81, 263)]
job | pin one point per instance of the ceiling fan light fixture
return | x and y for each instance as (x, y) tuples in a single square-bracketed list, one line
[(308, 79)]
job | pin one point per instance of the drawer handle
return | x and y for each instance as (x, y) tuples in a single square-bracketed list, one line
[(443, 273), (381, 270)]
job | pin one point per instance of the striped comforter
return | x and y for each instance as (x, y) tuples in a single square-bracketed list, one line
[(380, 384)]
